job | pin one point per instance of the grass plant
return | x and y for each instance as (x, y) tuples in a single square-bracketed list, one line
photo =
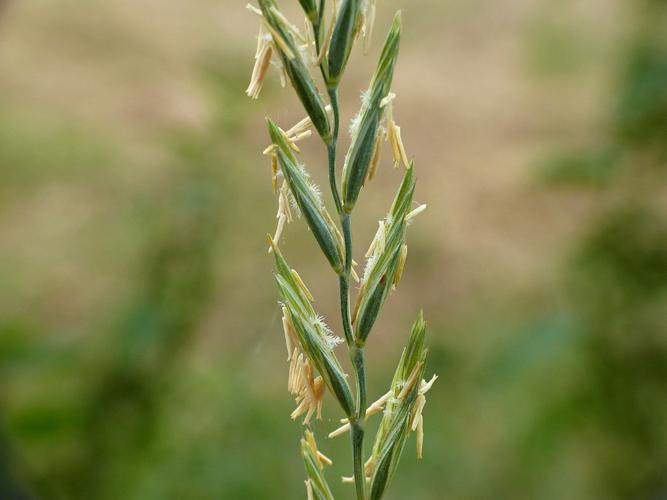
[(302, 56)]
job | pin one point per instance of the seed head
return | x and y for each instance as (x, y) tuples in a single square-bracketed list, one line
[(360, 154), (287, 40), (402, 411), (314, 461), (309, 342), (387, 255), (342, 39)]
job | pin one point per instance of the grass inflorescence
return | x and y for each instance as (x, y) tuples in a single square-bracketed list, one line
[(314, 368)]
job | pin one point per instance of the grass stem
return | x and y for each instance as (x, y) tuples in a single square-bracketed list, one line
[(356, 352)]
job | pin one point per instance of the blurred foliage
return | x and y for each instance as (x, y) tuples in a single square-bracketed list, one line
[(637, 126), (617, 281), (114, 418), (556, 45), (619, 286), (641, 112), (552, 392), (586, 167)]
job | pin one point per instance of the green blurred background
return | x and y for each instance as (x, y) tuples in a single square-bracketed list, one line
[(141, 353)]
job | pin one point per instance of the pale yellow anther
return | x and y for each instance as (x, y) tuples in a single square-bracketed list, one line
[(307, 379), (371, 248), (353, 272), (401, 264), (374, 408), (263, 55), (327, 39), (312, 406), (318, 392), (254, 9), (274, 173), (424, 387), (302, 285), (414, 213), (375, 159), (369, 465), (341, 430), (350, 479), (291, 27), (401, 148), (305, 124), (323, 458), (279, 40), (300, 410), (292, 372), (261, 40), (279, 230), (309, 414), (300, 126), (387, 99), (417, 421), (310, 439), (281, 205), (290, 141), (259, 71), (357, 303), (309, 490), (289, 336), (410, 382), (310, 39), (398, 150), (296, 375), (309, 391), (332, 225), (302, 135), (378, 406), (419, 406), (301, 377), (283, 202), (378, 243), (294, 364), (420, 437), (309, 397), (391, 135)]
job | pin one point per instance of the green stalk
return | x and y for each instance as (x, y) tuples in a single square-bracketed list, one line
[(357, 426), (317, 28), (358, 362), (318, 32), (356, 351), (331, 149), (357, 433)]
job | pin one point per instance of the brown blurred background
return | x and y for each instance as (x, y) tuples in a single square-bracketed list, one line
[(141, 354)]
